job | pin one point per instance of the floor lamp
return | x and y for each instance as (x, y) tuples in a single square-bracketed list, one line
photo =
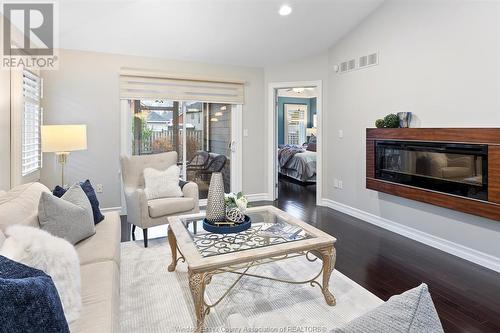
[(62, 140)]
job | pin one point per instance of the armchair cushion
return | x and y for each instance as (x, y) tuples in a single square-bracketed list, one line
[(162, 184), (169, 206), (133, 166)]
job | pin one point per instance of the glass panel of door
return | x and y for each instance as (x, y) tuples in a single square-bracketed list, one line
[(199, 132)]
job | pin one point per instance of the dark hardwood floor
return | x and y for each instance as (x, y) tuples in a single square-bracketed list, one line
[(467, 296)]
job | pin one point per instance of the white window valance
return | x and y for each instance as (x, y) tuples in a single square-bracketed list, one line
[(136, 84)]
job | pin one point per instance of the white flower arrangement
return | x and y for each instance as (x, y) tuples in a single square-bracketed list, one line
[(236, 200)]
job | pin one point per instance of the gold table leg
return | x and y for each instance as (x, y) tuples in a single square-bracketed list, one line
[(328, 256), (173, 247), (197, 283)]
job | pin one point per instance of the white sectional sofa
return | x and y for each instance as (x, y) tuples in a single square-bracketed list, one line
[(99, 259)]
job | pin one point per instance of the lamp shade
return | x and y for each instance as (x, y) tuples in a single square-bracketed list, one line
[(63, 138)]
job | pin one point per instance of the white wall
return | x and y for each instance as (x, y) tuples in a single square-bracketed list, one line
[(440, 60), (85, 90)]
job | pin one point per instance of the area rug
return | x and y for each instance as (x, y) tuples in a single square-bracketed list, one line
[(155, 300)]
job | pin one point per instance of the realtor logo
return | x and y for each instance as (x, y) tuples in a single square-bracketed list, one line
[(28, 35)]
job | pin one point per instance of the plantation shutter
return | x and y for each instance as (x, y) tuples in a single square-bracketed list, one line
[(136, 84), (32, 120)]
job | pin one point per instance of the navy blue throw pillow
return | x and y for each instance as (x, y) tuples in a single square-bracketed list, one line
[(29, 301), (89, 191)]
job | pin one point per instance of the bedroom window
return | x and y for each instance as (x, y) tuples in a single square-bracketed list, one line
[(295, 124), (32, 121)]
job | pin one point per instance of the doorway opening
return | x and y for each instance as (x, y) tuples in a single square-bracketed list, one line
[(205, 135), (295, 159)]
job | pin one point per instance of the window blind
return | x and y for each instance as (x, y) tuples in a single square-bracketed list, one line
[(142, 85), (32, 120)]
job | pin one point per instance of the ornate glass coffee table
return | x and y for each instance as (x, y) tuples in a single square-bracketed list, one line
[(274, 235)]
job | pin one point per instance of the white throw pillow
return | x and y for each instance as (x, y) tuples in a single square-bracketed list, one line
[(53, 255), (162, 184)]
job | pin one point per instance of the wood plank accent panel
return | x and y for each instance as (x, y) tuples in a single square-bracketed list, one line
[(475, 207), (461, 135), (494, 174), (370, 158)]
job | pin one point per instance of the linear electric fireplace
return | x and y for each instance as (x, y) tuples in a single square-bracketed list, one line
[(456, 168), (453, 168)]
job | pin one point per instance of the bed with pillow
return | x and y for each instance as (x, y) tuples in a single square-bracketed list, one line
[(298, 162)]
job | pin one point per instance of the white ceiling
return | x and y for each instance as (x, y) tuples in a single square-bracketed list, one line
[(240, 32)]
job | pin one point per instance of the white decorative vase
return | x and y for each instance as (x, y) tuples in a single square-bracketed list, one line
[(216, 206)]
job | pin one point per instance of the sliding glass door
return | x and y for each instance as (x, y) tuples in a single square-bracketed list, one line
[(201, 133)]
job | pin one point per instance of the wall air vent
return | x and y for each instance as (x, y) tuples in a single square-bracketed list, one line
[(343, 67), (373, 59), (351, 65), (362, 62)]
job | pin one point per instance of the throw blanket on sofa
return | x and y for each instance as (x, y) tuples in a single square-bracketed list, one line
[(286, 152), (29, 301)]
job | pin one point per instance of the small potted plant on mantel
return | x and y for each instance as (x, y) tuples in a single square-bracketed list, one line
[(401, 120)]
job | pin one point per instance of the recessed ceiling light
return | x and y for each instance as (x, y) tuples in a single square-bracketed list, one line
[(285, 10), (219, 114), (214, 119)]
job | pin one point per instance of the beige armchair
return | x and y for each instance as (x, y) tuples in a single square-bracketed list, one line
[(145, 213)]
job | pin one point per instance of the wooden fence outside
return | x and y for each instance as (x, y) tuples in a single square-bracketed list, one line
[(163, 140)]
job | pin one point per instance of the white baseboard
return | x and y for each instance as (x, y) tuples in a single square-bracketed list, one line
[(111, 209), (258, 197), (458, 250)]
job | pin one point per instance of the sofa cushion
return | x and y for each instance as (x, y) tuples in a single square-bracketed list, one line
[(412, 311), (69, 217), (20, 205), (105, 244), (169, 206), (100, 299), (90, 192)]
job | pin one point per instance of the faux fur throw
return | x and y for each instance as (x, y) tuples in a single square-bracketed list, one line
[(53, 255)]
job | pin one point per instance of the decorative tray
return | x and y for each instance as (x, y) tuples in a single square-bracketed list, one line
[(227, 227)]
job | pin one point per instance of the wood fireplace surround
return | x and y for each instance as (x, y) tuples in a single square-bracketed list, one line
[(455, 168)]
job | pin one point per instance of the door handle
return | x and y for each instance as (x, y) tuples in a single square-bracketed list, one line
[(232, 146)]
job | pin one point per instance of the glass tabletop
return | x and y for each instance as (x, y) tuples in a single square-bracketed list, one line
[(267, 229)]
